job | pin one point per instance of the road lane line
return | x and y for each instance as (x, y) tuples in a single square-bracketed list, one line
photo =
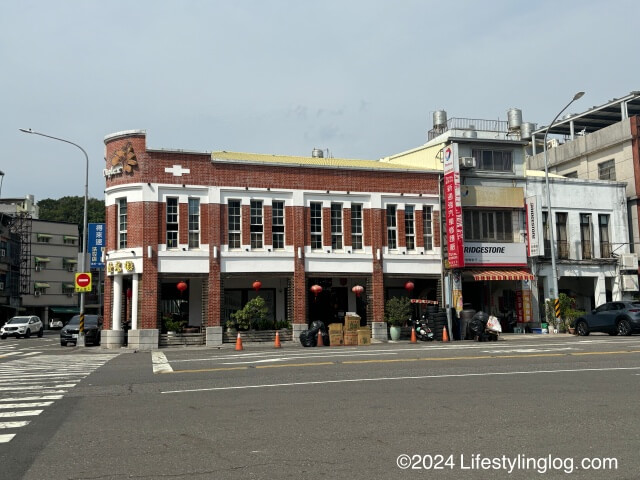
[(221, 369), (315, 364), (383, 379), (14, 424), (21, 413), (7, 437), (25, 405), (29, 399), (160, 363)]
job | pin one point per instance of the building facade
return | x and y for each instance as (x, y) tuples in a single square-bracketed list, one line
[(230, 226)]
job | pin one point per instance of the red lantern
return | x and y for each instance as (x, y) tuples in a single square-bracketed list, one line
[(316, 289), (129, 293), (357, 289), (182, 286), (256, 285), (409, 286)]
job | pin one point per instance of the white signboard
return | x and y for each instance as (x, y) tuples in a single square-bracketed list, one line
[(495, 254), (534, 227)]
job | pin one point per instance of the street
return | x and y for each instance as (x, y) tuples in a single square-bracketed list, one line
[(551, 406)]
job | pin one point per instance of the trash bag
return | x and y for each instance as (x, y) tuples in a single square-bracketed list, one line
[(317, 325), (308, 338), (478, 323)]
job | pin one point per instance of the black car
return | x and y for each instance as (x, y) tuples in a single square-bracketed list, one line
[(92, 328), (614, 318)]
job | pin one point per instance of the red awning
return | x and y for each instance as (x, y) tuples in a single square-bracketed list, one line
[(502, 275)]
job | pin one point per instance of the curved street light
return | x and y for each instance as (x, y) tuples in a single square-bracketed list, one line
[(84, 227), (553, 293)]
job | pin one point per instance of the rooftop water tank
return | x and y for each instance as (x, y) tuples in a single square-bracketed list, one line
[(526, 130), (317, 153), (439, 119), (514, 117)]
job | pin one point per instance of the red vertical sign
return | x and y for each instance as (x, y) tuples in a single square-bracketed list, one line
[(453, 207)]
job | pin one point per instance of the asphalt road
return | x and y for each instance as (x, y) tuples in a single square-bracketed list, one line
[(536, 407)]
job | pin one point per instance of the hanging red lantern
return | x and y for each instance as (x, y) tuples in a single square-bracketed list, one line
[(409, 286), (182, 286), (256, 285), (357, 289), (316, 289), (129, 293)]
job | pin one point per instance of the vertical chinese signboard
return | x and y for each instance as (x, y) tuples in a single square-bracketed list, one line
[(453, 208), (96, 244), (523, 302), (535, 244)]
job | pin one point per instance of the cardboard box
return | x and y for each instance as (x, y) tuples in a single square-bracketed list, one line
[(364, 336), (351, 337), (335, 328), (351, 322), (335, 339)]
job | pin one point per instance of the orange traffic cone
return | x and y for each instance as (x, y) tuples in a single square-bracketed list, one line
[(239, 343), (413, 335), (277, 344), (445, 335), (320, 339)]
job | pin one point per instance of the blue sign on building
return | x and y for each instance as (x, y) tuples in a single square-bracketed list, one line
[(96, 244)]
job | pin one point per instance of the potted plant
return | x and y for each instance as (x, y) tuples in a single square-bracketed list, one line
[(173, 326), (396, 312), (253, 313)]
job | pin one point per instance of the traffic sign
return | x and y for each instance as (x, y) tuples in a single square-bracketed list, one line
[(83, 282)]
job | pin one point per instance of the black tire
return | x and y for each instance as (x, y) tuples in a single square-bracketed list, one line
[(63, 344), (28, 334), (3, 336), (41, 332), (582, 328), (623, 328)]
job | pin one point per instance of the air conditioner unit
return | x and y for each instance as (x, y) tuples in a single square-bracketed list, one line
[(467, 162), (628, 261), (1, 285), (37, 293), (630, 283), (3, 252)]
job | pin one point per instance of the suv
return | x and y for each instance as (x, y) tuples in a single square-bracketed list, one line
[(92, 328), (22, 326)]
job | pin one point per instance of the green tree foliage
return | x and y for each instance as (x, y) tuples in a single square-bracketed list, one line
[(397, 311), (71, 209)]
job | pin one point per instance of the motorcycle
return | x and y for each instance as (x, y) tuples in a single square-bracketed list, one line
[(423, 332)]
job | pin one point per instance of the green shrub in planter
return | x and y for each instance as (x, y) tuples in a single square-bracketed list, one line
[(397, 311), (254, 313)]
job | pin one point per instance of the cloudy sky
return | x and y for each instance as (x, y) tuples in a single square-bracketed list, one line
[(358, 77)]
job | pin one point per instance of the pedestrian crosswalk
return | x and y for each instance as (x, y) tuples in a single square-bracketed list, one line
[(29, 385)]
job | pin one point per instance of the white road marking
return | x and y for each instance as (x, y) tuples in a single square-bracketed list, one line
[(29, 399), (38, 387), (160, 363), (25, 405), (14, 424), (382, 379), (20, 413), (528, 350), (7, 437)]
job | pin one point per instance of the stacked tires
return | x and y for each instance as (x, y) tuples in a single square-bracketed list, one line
[(437, 320)]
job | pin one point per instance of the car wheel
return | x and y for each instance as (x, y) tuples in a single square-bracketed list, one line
[(3, 336), (28, 334), (63, 344), (624, 327), (582, 328)]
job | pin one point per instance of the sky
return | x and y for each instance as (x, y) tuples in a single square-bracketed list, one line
[(360, 78)]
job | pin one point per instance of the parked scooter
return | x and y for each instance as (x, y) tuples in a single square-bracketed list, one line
[(423, 332)]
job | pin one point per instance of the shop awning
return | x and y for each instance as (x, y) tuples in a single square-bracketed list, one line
[(502, 275), (41, 285), (43, 235), (64, 309), (42, 259)]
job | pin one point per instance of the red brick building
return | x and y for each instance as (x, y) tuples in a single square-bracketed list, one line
[(220, 221)]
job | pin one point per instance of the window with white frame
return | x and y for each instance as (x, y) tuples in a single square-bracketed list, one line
[(488, 226), (257, 225), (233, 223), (356, 226), (336, 226), (316, 225), (122, 223), (277, 224), (392, 227), (194, 222), (410, 227), (427, 227), (172, 222)]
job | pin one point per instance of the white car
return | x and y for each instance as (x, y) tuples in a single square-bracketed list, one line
[(22, 326), (55, 323)]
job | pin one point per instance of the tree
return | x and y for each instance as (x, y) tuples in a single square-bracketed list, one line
[(71, 209)]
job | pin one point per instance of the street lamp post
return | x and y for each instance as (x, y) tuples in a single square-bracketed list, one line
[(84, 227), (1, 180), (553, 293)]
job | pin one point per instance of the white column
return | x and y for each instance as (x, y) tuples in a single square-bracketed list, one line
[(116, 312), (600, 293), (134, 302)]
